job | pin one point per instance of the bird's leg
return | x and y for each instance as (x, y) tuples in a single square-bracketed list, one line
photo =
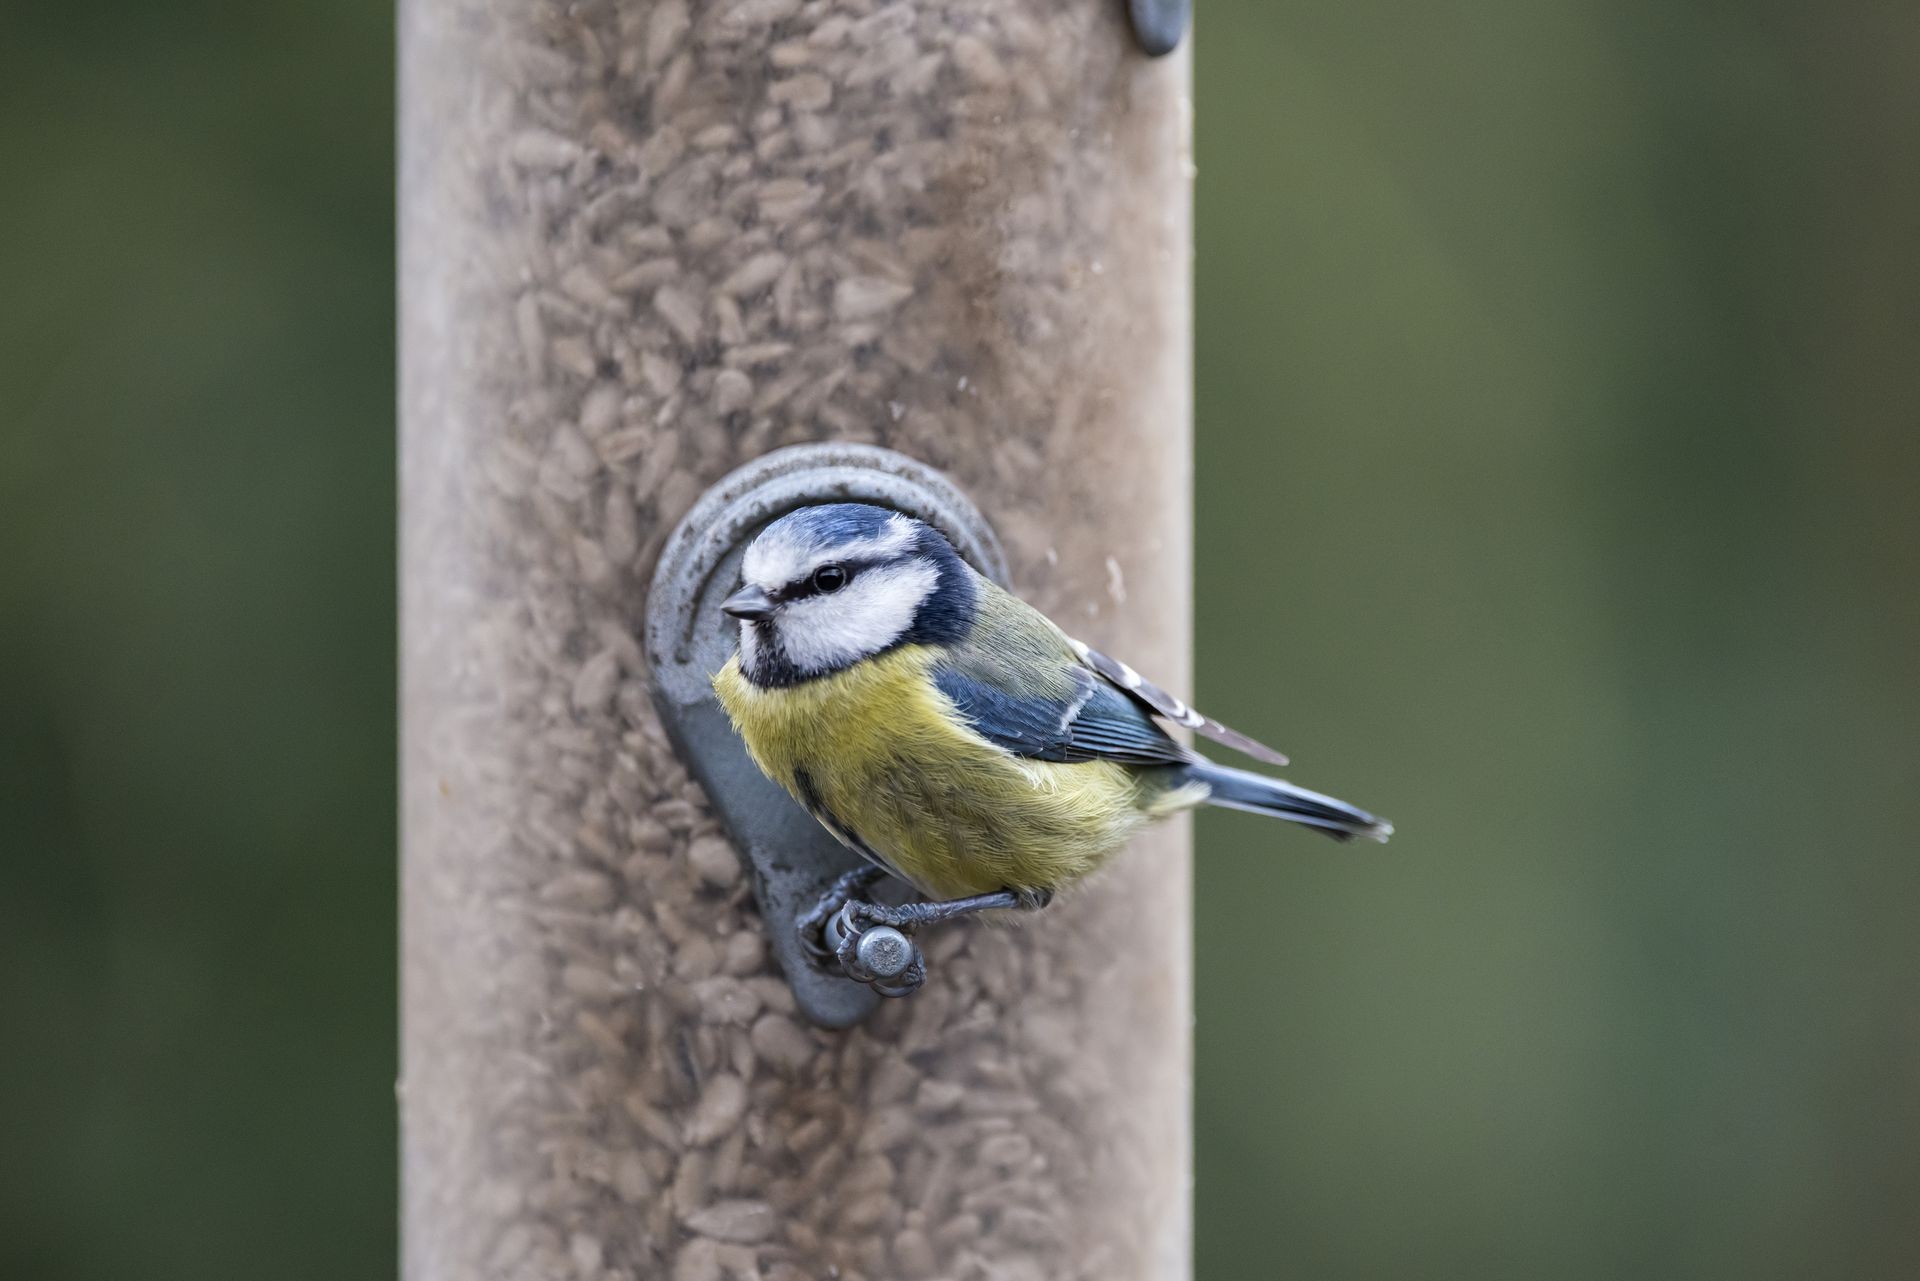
[(873, 943), (909, 916), (844, 890)]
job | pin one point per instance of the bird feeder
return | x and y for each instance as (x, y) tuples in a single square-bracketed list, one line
[(645, 245)]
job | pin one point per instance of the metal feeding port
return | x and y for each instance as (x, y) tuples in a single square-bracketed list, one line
[(794, 860)]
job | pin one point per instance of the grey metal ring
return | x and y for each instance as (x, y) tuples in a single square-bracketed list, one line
[(746, 499)]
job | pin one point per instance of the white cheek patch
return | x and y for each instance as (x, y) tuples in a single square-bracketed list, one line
[(786, 554), (829, 631)]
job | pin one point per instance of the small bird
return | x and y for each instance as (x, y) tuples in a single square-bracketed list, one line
[(950, 733)]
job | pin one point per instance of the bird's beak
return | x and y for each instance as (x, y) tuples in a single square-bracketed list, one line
[(750, 604)]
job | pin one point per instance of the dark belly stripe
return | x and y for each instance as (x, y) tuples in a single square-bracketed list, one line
[(810, 797)]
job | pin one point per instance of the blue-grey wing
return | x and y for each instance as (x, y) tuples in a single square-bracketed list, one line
[(1092, 721), (1161, 703)]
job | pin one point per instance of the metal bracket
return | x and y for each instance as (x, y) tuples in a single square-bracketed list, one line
[(688, 639), (1159, 24)]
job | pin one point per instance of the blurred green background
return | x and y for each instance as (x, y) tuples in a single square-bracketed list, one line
[(1559, 495)]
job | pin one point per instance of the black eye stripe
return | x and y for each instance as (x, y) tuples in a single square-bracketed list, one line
[(806, 587)]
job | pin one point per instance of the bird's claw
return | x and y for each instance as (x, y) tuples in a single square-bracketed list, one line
[(865, 941), (871, 942), (812, 927), (872, 948)]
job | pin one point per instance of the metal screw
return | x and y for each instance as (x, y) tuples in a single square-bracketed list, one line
[(884, 952)]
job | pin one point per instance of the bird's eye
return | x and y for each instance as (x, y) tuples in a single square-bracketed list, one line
[(830, 578)]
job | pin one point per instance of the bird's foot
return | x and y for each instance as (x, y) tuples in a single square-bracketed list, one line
[(872, 941), (874, 952), (812, 927)]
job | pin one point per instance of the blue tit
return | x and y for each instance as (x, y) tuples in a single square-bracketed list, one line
[(949, 732)]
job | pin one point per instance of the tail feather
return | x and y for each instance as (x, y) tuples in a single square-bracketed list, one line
[(1257, 794)]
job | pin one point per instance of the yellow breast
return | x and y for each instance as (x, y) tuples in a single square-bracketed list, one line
[(878, 751)]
